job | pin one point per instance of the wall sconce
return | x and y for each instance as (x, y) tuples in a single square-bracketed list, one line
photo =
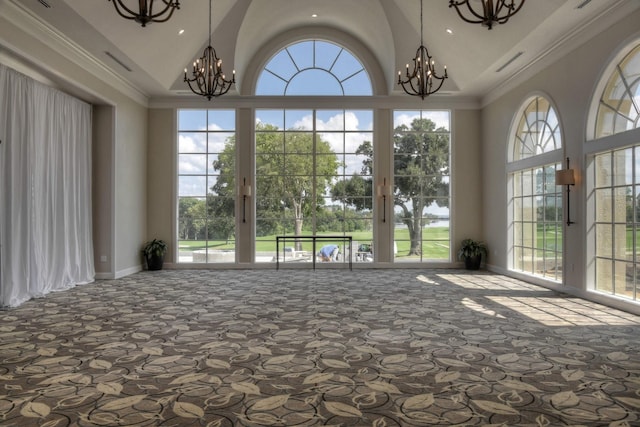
[(383, 191), (245, 191), (566, 177)]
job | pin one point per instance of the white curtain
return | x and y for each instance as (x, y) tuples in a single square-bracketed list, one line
[(45, 190)]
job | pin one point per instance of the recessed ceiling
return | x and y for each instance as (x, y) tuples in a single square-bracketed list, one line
[(478, 61)]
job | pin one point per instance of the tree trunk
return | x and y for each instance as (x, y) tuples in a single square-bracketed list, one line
[(297, 209), (298, 233), (415, 230)]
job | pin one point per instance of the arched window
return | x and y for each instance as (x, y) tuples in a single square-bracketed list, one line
[(314, 67), (613, 180), (535, 202), (313, 166), (619, 106), (538, 130)]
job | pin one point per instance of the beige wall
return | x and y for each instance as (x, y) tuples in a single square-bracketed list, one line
[(161, 176), (467, 188), (102, 183), (130, 186)]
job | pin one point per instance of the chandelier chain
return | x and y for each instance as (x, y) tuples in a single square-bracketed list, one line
[(420, 82), (207, 78)]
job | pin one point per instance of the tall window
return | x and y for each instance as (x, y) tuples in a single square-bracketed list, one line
[(421, 158), (313, 167), (617, 221), (206, 185), (614, 183), (313, 177), (536, 227)]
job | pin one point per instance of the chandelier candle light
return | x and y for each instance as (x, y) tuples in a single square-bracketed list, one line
[(207, 79), (493, 11), (420, 82), (146, 12)]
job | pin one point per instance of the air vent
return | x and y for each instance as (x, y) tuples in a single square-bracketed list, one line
[(583, 4), (122, 64), (506, 64), (45, 4)]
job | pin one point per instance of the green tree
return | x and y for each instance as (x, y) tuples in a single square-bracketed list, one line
[(192, 214), (421, 161), (287, 175), (358, 189), (222, 196)]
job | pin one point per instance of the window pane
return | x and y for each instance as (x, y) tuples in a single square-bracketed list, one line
[(206, 186), (421, 184), (306, 184), (537, 132), (618, 107), (314, 67)]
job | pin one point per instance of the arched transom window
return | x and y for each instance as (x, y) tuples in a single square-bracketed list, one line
[(314, 67), (619, 107), (537, 131)]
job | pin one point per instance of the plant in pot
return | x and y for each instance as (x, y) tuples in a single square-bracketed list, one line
[(154, 252), (471, 252)]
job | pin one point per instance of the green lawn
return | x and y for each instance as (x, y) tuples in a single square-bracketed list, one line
[(436, 247)]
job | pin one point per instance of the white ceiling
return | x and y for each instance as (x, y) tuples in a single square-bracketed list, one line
[(245, 32)]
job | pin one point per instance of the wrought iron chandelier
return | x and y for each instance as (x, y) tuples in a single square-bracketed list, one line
[(146, 12), (493, 11), (207, 77), (420, 82)]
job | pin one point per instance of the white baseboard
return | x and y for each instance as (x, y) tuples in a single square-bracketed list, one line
[(128, 271), (118, 274)]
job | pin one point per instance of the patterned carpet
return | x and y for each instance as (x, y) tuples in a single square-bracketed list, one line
[(331, 347)]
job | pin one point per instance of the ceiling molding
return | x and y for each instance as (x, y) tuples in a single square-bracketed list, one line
[(346, 102), (566, 44), (57, 42)]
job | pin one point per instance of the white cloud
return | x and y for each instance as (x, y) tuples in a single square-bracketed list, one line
[(440, 118)]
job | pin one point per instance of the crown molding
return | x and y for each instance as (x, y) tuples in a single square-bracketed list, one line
[(35, 27)]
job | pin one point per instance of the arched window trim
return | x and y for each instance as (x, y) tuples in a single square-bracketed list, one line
[(342, 50), (537, 159), (377, 75), (612, 66)]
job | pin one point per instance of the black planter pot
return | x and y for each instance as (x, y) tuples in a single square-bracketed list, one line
[(154, 262), (473, 263)]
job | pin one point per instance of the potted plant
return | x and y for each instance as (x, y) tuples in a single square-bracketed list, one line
[(471, 252), (154, 252)]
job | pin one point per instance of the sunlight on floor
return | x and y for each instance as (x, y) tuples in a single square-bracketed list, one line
[(475, 306), (563, 311), (547, 306)]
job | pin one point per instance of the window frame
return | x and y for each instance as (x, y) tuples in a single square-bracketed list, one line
[(547, 159)]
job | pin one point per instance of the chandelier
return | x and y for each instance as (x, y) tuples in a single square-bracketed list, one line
[(207, 77), (146, 12), (493, 11), (420, 82)]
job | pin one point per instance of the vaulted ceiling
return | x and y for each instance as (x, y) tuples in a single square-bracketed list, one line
[(245, 33)]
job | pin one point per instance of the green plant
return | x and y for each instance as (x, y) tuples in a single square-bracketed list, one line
[(155, 247), (470, 248)]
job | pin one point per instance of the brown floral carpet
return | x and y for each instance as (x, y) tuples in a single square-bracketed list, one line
[(310, 348)]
